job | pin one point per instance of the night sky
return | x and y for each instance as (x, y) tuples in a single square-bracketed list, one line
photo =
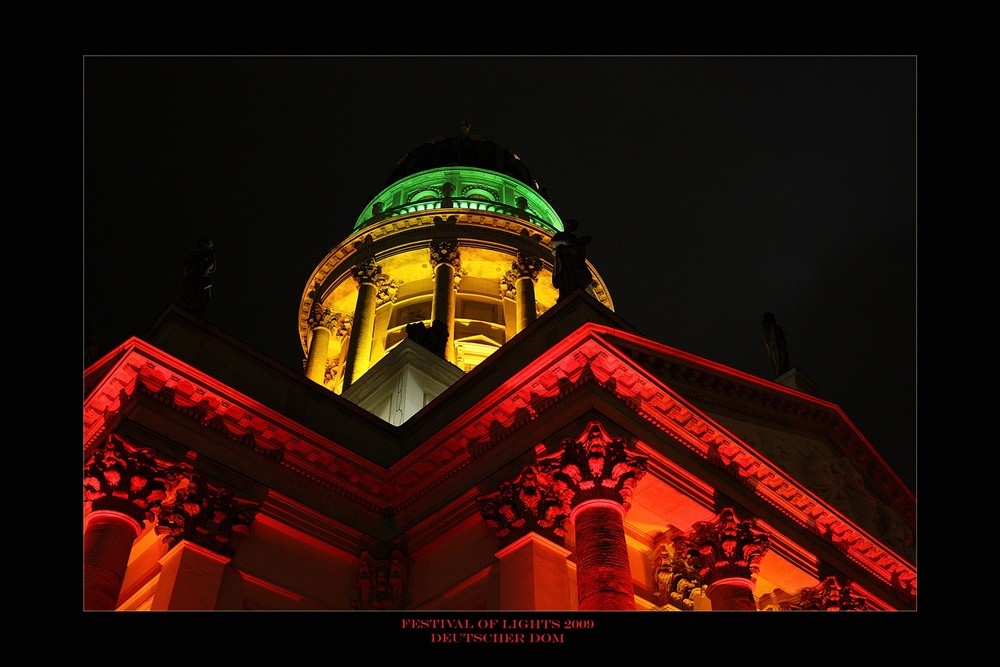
[(714, 189)]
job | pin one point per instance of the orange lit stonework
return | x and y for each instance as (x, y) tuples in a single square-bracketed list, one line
[(550, 457)]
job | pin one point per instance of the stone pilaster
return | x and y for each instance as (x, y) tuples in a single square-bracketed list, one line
[(533, 575), (123, 487), (190, 579), (725, 554)]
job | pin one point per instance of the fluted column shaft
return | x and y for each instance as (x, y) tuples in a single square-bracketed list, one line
[(525, 302), (359, 349), (319, 350), (445, 259), (443, 305), (604, 578), (107, 543), (732, 594)]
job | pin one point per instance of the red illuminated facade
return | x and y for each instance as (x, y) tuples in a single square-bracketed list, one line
[(542, 455)]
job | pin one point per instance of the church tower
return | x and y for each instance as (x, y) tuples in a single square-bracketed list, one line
[(474, 429), (456, 253)]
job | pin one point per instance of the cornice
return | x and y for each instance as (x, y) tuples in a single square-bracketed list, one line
[(709, 384), (585, 358)]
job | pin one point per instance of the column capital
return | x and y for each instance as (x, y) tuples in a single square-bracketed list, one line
[(366, 272), (597, 466), (323, 317), (445, 251), (723, 547), (528, 503), (827, 595), (593, 467), (205, 515), (119, 477), (526, 266)]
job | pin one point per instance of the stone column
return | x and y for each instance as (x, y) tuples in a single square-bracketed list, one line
[(590, 483), (446, 263), (322, 322), (596, 477), (319, 350), (525, 272), (122, 485), (603, 575), (363, 329), (725, 553), (107, 538)]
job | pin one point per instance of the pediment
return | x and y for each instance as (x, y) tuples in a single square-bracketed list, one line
[(524, 387)]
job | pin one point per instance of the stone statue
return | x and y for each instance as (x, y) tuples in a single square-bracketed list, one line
[(199, 268), (434, 338), (570, 272), (774, 342)]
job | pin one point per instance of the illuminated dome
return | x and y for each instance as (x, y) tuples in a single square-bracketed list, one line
[(464, 149), (460, 236)]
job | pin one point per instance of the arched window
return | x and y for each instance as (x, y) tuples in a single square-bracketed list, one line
[(480, 194), (425, 195)]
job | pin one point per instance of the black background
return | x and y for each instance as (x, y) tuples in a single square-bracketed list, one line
[(714, 188)]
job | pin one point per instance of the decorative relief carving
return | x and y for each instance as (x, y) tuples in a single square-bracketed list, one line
[(529, 503), (723, 547), (387, 289), (366, 272), (677, 580), (330, 370), (539, 499), (122, 478), (837, 481), (526, 266), (597, 466), (508, 285), (205, 515), (382, 582), (445, 251), (345, 322), (828, 595)]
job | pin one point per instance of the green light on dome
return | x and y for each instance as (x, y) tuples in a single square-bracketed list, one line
[(470, 188)]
